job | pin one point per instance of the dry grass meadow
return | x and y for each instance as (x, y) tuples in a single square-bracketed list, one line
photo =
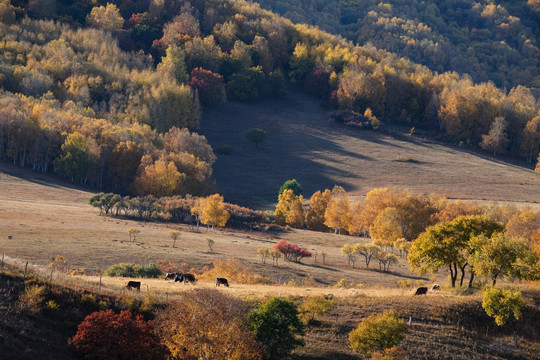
[(40, 219)]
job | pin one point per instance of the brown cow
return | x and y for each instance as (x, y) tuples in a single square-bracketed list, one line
[(421, 291), (134, 285)]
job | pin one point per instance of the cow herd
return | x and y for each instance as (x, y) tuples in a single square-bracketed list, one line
[(177, 277), (190, 278)]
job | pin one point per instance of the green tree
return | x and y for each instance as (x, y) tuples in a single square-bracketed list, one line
[(210, 243), (264, 252), (349, 251), (367, 251), (175, 63), (315, 306), (276, 327), (256, 136), (502, 256), (75, 161), (501, 304), (447, 244), (378, 333), (293, 185), (105, 202)]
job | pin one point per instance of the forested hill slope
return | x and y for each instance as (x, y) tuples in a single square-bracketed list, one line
[(110, 94), (489, 40)]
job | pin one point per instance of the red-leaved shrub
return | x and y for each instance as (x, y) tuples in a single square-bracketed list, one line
[(105, 335), (291, 251)]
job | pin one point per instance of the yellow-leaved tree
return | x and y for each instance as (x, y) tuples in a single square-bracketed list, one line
[(107, 18), (285, 201), (296, 215), (386, 229), (317, 208), (206, 324), (159, 178), (357, 225), (338, 211), (212, 212)]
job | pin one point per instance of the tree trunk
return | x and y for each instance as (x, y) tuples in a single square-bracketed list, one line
[(462, 275), (471, 279), (453, 274)]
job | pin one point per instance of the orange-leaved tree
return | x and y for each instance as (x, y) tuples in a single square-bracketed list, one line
[(206, 324), (106, 335)]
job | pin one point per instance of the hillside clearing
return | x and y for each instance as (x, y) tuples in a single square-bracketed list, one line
[(303, 145)]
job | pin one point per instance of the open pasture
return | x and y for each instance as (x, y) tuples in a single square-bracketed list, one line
[(40, 219)]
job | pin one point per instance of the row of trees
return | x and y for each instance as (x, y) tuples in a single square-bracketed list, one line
[(368, 252), (491, 241), (476, 243), (211, 210), (390, 215)]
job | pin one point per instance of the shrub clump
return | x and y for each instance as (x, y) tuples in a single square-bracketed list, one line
[(133, 270), (106, 335)]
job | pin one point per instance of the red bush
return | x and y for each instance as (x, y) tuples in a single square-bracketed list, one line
[(105, 335), (291, 251), (210, 86)]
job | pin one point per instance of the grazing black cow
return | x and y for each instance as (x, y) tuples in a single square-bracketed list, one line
[(421, 291), (189, 278), (436, 287), (178, 277), (171, 275), (134, 285), (222, 281)]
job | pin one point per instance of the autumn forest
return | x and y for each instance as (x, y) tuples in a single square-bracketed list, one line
[(84, 97), (120, 122)]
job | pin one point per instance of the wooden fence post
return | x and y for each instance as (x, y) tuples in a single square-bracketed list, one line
[(25, 267)]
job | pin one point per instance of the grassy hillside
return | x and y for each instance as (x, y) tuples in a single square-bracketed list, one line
[(301, 143)]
